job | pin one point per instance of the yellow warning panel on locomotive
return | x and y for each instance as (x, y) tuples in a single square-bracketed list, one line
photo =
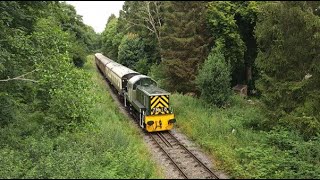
[(159, 105)]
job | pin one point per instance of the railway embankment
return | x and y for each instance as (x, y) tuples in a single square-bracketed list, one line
[(237, 137), (107, 146)]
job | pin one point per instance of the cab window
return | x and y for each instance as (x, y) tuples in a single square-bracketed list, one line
[(148, 82)]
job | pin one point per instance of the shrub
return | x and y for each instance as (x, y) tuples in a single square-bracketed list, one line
[(214, 80), (78, 55)]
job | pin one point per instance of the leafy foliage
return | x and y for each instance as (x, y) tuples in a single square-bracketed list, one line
[(288, 60), (214, 80), (131, 50), (111, 39), (63, 89), (185, 44), (232, 25)]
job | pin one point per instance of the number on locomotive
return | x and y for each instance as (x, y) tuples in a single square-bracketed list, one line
[(159, 109)]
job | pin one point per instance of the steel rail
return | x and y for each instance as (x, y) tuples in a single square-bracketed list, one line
[(184, 175), (203, 165)]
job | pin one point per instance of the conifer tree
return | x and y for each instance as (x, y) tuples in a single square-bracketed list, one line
[(185, 43), (289, 53)]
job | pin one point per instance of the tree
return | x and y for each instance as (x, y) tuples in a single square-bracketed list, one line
[(185, 44), (111, 38), (36, 72), (214, 80), (144, 18), (232, 25), (131, 51), (288, 40)]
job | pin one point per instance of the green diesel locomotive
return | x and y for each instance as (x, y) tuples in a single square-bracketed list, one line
[(140, 93)]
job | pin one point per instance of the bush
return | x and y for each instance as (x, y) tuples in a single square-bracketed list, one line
[(78, 55), (214, 80)]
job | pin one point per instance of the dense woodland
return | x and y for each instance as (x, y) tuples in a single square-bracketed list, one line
[(208, 47), (190, 48), (56, 118)]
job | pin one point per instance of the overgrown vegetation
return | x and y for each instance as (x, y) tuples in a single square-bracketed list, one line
[(106, 147), (272, 47), (214, 80), (242, 151), (55, 122)]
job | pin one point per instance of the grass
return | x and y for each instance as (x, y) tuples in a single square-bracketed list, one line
[(233, 137)]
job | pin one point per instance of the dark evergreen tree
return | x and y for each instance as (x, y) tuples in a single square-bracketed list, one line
[(185, 43), (288, 40)]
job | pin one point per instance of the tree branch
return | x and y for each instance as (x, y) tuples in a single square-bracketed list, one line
[(135, 24), (21, 77)]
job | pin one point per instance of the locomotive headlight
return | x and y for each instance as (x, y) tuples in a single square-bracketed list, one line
[(150, 123), (172, 121)]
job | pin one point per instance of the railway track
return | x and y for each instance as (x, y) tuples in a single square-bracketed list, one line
[(188, 165)]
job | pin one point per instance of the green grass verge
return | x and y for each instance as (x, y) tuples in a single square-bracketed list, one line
[(231, 136)]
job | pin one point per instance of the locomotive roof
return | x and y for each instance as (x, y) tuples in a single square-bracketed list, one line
[(152, 90), (149, 88), (136, 78)]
